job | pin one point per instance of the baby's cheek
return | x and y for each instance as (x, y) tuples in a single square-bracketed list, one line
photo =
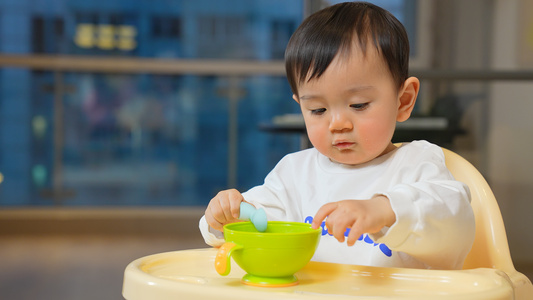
[(317, 137), (376, 135)]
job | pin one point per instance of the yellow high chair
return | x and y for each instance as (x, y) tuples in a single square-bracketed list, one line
[(488, 271), (490, 249)]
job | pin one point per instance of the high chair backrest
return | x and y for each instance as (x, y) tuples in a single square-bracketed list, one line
[(490, 249)]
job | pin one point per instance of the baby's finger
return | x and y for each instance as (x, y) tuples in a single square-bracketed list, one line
[(235, 199), (215, 211), (355, 233), (223, 200), (212, 222), (338, 231), (337, 223), (322, 213)]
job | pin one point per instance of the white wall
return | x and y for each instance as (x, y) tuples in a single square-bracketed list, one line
[(510, 135)]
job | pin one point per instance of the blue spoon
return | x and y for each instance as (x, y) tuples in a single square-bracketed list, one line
[(256, 216)]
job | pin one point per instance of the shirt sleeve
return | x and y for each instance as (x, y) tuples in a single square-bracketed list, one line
[(212, 237), (434, 219)]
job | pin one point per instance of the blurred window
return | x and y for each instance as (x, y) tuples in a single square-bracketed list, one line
[(115, 137)]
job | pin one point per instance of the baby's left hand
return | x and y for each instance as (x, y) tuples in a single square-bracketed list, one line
[(361, 216)]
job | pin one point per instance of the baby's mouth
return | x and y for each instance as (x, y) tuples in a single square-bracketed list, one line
[(343, 144)]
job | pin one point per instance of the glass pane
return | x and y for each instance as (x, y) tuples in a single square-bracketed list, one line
[(244, 29), (146, 139), (77, 138)]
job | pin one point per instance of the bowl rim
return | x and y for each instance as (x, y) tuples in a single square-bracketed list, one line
[(228, 228)]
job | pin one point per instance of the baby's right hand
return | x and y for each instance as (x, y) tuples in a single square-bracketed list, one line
[(223, 209)]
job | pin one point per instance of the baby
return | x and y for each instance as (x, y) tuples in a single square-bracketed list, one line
[(377, 204)]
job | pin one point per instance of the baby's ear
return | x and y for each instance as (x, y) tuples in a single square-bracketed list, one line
[(407, 98), (295, 98)]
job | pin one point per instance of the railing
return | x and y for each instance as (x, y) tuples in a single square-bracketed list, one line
[(123, 65), (99, 64)]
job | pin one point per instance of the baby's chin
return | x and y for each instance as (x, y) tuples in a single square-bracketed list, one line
[(351, 159)]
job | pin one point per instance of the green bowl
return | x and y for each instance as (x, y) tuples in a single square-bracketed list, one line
[(270, 258)]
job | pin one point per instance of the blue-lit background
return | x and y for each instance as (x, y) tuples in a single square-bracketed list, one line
[(141, 139)]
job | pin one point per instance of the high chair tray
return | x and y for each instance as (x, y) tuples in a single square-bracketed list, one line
[(190, 274)]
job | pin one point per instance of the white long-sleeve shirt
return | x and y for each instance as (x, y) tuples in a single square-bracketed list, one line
[(434, 225)]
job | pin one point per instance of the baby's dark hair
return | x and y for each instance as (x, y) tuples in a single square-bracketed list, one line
[(330, 31)]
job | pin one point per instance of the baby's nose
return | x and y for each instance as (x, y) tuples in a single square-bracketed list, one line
[(340, 122)]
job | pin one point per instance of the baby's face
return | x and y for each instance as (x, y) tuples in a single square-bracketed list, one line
[(350, 112)]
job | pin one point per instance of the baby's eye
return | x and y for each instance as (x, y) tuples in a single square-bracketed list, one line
[(359, 106), (318, 111)]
